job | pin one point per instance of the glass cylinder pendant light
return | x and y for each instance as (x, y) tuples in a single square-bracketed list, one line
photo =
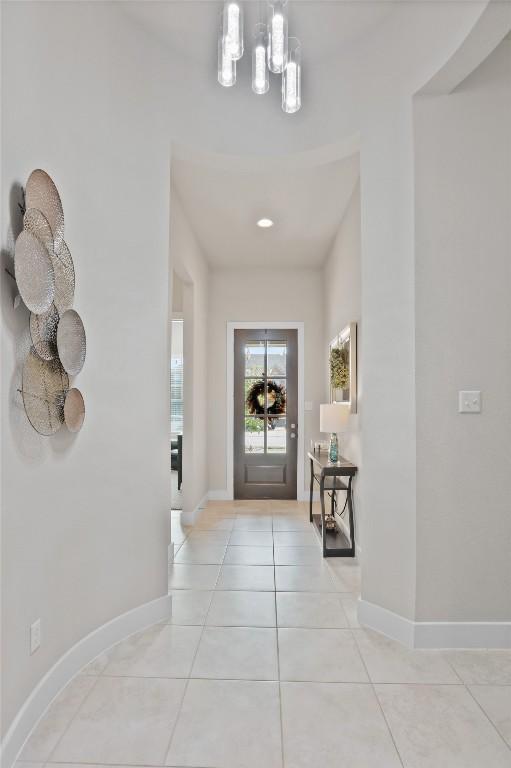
[(233, 29), (277, 35), (292, 78), (260, 75), (226, 66)]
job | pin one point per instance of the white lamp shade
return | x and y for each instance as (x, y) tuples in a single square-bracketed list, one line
[(333, 417)]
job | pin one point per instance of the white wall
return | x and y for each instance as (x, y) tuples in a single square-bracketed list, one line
[(342, 305), (192, 269), (387, 351), (177, 293), (83, 539), (463, 267), (254, 295)]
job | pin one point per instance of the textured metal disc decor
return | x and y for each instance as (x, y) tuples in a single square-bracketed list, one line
[(63, 267), (41, 193), (45, 276), (44, 387), (71, 344), (43, 331), (34, 272), (64, 278), (35, 223), (74, 410)]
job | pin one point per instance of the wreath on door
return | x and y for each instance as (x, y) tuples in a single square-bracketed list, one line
[(276, 398)]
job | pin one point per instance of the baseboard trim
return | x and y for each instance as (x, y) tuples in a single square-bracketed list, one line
[(223, 494), (71, 663), (190, 518), (434, 634), (220, 495), (463, 634), (386, 622)]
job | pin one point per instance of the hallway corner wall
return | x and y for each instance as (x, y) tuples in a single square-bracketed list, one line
[(187, 259), (342, 305), (463, 267)]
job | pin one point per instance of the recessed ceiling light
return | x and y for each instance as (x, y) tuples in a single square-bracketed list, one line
[(265, 223)]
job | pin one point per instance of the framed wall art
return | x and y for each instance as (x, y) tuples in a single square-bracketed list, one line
[(342, 367)]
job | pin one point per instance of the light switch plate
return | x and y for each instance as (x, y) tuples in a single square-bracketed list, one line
[(469, 401), (308, 405)]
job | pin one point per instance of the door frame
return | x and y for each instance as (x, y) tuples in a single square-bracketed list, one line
[(300, 453)]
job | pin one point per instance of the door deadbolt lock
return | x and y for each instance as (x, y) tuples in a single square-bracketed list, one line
[(293, 434)]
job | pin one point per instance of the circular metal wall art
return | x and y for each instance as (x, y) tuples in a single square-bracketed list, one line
[(41, 193), (45, 276), (64, 270), (63, 267), (44, 387), (35, 223), (71, 344), (43, 331), (34, 272), (74, 410)]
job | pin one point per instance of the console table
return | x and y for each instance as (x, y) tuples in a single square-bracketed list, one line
[(328, 476)]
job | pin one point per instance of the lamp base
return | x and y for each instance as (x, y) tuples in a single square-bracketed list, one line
[(333, 451)]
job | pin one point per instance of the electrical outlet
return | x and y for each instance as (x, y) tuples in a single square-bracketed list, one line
[(469, 401), (35, 636)]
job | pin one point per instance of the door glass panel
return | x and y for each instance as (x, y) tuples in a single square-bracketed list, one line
[(276, 397), (254, 358), (277, 354), (277, 435), (254, 434), (254, 397)]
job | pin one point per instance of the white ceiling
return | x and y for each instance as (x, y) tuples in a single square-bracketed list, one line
[(355, 54), (325, 27), (225, 198)]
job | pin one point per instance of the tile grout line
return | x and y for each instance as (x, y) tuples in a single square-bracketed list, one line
[(118, 765), (68, 726), (487, 716), (467, 688), (185, 689), (273, 680), (375, 694), (282, 757)]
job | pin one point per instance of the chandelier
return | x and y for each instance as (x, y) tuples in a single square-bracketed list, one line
[(272, 51)]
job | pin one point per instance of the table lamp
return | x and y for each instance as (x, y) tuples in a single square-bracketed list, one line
[(332, 418)]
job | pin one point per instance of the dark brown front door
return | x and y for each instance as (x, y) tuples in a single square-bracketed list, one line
[(265, 414)]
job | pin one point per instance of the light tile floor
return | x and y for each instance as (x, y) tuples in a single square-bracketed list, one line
[(264, 665)]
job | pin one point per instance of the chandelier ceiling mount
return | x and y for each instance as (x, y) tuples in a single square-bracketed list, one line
[(273, 51)]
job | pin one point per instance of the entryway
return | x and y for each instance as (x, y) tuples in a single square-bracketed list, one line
[(265, 413), (177, 393)]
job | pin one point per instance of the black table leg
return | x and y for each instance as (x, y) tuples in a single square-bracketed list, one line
[(311, 490), (350, 510), (322, 499)]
